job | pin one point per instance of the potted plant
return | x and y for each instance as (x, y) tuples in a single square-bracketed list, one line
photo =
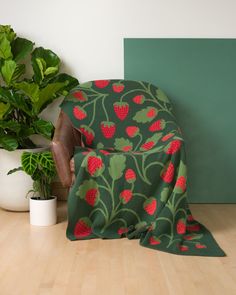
[(24, 94), (40, 167)]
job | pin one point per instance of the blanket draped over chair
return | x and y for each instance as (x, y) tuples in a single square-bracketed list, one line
[(130, 171)]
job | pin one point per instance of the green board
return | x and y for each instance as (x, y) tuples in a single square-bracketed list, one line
[(199, 76)]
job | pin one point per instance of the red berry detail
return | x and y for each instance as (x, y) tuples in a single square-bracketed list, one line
[(138, 99), (156, 126), (174, 147), (104, 152), (82, 229), (181, 183), (89, 135), (181, 227), (130, 175), (108, 129), (168, 174), (79, 95), (126, 196), (150, 206), (190, 218), (193, 228), (166, 137), (94, 163), (122, 230), (79, 113), (132, 131), (183, 248), (118, 87), (200, 246), (154, 241), (101, 83), (121, 110), (127, 148), (148, 145), (151, 113), (91, 196)]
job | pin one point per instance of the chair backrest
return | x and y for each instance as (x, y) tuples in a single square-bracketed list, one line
[(120, 114)]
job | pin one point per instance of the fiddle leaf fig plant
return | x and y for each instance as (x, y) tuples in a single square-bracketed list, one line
[(41, 168), (25, 94)]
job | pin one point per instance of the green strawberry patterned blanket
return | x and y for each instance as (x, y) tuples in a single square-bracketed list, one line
[(130, 171)]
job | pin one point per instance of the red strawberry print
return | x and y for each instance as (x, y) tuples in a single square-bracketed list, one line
[(167, 136), (151, 113), (200, 246), (79, 113), (157, 126), (108, 129), (83, 228), (121, 109), (150, 206), (190, 218), (80, 95), (101, 83), (183, 248), (91, 196), (154, 241), (174, 147), (132, 131), (130, 175), (94, 164), (104, 152), (193, 227), (181, 183), (125, 196), (88, 133), (181, 227), (148, 145), (118, 87), (122, 230), (138, 99), (127, 148), (188, 237), (168, 173)]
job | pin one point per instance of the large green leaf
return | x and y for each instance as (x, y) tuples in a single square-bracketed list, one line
[(21, 48), (15, 99), (29, 162), (47, 95), (7, 31), (8, 70), (5, 48), (4, 107), (123, 144), (117, 166), (30, 89), (11, 125), (43, 127), (71, 82), (8, 142), (19, 71), (45, 63)]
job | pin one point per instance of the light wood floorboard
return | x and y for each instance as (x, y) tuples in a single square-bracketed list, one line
[(41, 261)]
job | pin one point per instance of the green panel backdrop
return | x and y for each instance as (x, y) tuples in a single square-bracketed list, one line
[(199, 76)]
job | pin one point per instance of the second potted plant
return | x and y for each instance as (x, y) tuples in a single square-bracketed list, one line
[(40, 167)]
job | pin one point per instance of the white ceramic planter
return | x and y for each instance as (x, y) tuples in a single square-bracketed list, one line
[(43, 212), (14, 187)]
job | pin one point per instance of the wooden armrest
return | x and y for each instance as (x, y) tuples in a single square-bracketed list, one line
[(66, 137)]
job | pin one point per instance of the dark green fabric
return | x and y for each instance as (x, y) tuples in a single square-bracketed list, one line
[(131, 171)]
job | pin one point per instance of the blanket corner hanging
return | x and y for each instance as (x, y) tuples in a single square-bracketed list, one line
[(131, 173)]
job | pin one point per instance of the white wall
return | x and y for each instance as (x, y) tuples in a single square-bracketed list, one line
[(88, 35)]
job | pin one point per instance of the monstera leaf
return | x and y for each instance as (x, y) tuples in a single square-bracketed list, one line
[(117, 166)]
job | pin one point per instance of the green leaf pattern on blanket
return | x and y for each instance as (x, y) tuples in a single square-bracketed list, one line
[(131, 176)]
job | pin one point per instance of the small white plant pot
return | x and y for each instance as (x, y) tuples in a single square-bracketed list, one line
[(43, 212)]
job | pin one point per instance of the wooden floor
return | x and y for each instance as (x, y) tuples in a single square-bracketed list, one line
[(41, 261)]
